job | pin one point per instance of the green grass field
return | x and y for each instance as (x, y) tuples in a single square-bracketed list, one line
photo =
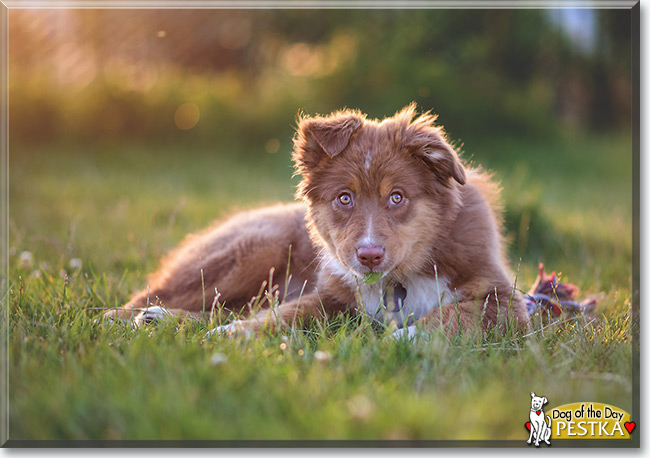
[(120, 208)]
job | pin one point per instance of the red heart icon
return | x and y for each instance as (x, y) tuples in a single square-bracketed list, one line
[(629, 425), (527, 425)]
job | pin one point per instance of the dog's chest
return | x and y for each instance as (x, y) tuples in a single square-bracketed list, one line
[(404, 302)]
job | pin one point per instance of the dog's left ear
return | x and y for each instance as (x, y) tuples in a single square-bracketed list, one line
[(333, 135), (428, 142), (321, 137), (545, 400)]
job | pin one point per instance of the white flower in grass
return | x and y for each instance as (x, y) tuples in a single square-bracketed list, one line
[(75, 263), (321, 356), (360, 407), (218, 358), (26, 260)]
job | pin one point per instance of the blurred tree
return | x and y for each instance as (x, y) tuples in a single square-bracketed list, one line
[(489, 72)]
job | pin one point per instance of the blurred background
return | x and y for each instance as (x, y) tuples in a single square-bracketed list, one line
[(213, 75), (173, 117)]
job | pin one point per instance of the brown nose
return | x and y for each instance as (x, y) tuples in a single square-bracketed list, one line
[(370, 255)]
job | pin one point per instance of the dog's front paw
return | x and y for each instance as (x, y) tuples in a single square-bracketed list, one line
[(235, 329), (114, 316), (411, 333), (109, 317), (151, 315)]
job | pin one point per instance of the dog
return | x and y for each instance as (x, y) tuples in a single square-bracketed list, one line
[(539, 429), (389, 222)]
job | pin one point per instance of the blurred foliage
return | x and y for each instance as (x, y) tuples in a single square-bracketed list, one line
[(244, 75)]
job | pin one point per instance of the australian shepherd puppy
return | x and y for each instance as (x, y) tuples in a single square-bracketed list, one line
[(390, 224)]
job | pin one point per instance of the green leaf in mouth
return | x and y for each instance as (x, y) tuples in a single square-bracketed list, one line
[(372, 277)]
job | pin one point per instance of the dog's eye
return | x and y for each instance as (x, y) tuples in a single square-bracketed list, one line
[(396, 198), (345, 199)]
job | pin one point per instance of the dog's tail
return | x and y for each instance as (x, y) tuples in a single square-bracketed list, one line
[(548, 419)]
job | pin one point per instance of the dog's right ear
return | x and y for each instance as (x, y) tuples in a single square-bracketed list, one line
[(532, 395), (427, 141), (321, 137)]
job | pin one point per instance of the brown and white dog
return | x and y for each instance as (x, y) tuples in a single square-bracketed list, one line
[(386, 197)]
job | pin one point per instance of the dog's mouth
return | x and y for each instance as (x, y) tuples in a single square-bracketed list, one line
[(363, 270), (364, 273), (369, 274), (349, 261)]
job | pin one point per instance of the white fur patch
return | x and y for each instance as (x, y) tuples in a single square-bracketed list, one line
[(368, 239), (368, 160), (409, 333), (423, 294)]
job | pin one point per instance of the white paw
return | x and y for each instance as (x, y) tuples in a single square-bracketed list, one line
[(410, 333), (106, 319), (111, 317), (234, 329), (150, 315)]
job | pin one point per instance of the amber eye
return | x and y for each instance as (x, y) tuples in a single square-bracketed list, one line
[(396, 198), (345, 199)]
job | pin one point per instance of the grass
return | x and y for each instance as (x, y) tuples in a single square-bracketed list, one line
[(119, 209)]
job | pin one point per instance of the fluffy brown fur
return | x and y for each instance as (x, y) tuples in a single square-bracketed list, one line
[(385, 196)]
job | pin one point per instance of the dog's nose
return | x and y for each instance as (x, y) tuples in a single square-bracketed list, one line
[(370, 255)]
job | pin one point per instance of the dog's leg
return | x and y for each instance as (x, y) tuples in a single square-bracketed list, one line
[(237, 277), (150, 314), (476, 314), (547, 430), (453, 317), (235, 258), (155, 314), (532, 428), (538, 433), (131, 310), (290, 314)]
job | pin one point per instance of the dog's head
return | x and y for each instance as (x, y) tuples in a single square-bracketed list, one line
[(378, 192), (537, 402)]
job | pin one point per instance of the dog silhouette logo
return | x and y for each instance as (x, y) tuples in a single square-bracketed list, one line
[(539, 427)]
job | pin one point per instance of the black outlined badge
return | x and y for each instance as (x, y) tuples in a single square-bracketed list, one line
[(588, 420)]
